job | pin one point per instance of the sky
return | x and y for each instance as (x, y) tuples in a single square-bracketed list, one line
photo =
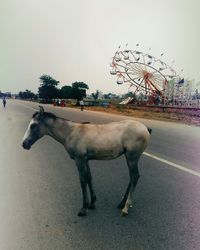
[(75, 40)]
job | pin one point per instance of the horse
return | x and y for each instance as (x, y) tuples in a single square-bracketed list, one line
[(88, 141)]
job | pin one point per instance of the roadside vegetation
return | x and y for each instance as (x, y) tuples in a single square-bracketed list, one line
[(186, 118)]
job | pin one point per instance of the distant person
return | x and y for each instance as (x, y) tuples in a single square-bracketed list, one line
[(82, 105), (4, 102)]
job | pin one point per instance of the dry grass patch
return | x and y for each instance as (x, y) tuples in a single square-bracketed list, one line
[(164, 116)]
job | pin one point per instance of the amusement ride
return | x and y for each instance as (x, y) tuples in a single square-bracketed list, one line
[(150, 78)]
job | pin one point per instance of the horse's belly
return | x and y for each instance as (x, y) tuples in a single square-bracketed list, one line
[(104, 154)]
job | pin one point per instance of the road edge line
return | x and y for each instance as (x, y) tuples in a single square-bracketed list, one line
[(193, 172)]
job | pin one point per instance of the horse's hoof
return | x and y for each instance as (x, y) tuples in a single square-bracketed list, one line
[(82, 212), (91, 206), (123, 214), (124, 211)]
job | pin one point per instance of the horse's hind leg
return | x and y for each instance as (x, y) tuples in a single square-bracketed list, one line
[(90, 185), (122, 203), (134, 177)]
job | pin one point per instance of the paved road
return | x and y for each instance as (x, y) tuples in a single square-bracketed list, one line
[(40, 192)]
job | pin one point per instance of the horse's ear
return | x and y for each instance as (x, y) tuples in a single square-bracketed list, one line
[(41, 110)]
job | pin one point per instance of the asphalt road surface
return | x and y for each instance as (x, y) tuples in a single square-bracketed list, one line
[(40, 193)]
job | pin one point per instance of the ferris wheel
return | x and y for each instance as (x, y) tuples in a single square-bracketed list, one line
[(143, 72)]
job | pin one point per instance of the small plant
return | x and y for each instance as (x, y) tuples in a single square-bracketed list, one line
[(120, 108)]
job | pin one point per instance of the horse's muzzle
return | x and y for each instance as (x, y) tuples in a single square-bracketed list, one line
[(26, 145)]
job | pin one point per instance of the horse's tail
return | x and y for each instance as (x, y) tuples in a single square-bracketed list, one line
[(150, 130)]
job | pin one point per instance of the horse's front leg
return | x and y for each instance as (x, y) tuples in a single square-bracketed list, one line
[(82, 169)]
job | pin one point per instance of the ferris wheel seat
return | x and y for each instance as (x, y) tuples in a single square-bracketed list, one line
[(112, 72), (120, 82), (117, 59)]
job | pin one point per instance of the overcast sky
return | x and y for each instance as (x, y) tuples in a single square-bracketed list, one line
[(75, 40)]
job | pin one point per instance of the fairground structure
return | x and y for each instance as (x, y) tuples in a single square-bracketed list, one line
[(152, 81)]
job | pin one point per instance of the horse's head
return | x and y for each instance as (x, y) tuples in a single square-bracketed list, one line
[(35, 130)]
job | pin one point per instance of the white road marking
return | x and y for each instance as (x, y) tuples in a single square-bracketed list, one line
[(155, 157), (173, 164), (31, 108)]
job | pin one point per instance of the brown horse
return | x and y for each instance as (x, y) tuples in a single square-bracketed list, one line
[(85, 141)]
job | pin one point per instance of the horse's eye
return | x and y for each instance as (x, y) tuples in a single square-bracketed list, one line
[(34, 125)]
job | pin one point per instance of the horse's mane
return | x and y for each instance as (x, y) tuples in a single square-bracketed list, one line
[(48, 115), (45, 115)]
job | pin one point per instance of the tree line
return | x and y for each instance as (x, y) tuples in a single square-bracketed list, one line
[(49, 90), (8, 94)]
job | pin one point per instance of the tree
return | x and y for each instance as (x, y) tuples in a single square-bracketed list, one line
[(48, 88), (7, 94), (27, 95), (95, 95), (110, 96), (129, 94), (66, 92), (79, 90)]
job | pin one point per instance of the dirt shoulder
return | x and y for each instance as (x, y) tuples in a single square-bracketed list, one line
[(162, 116)]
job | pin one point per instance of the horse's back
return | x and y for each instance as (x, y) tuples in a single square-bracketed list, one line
[(113, 139), (136, 136)]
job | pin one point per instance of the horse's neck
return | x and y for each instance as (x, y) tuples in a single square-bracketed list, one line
[(59, 130)]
